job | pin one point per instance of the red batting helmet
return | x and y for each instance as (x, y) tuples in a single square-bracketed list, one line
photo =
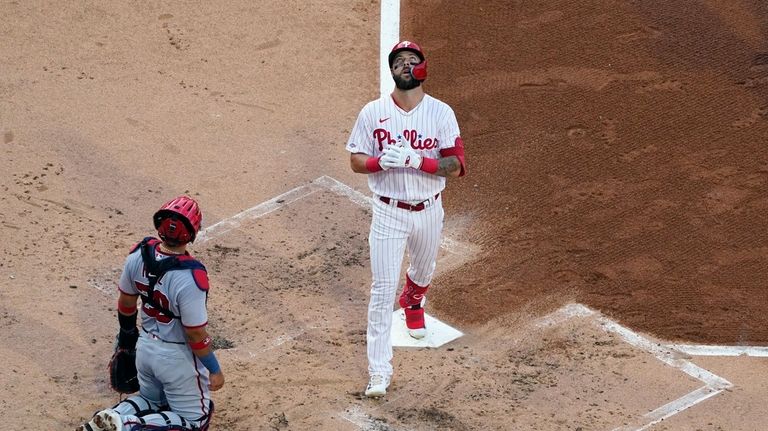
[(182, 209), (419, 71)]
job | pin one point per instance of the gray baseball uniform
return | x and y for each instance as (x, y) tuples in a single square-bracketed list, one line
[(169, 373)]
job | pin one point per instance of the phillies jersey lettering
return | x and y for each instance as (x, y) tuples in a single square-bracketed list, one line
[(428, 128), (412, 138), (176, 291)]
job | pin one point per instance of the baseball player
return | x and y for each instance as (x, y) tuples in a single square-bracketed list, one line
[(407, 143), (177, 369)]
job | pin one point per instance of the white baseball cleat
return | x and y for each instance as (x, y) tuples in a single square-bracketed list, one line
[(105, 420), (414, 321), (418, 333), (377, 386)]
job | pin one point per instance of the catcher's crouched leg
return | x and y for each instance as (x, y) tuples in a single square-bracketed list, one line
[(135, 405), (139, 414)]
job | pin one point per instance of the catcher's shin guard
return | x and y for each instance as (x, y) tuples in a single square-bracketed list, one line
[(135, 405)]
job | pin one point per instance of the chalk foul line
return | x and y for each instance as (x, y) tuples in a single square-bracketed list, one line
[(669, 355)]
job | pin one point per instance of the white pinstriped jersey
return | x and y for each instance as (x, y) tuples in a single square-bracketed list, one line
[(428, 128), (177, 291)]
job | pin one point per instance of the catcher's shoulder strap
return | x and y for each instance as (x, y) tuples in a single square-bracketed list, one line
[(156, 269)]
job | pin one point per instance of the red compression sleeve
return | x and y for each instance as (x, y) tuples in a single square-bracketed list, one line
[(372, 164), (126, 310), (429, 165), (458, 151), (199, 345)]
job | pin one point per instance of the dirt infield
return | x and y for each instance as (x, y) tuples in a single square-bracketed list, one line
[(617, 158)]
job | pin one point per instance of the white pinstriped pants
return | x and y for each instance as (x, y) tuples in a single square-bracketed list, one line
[(392, 229)]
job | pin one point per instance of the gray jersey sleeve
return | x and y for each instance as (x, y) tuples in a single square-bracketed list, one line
[(126, 283), (191, 301)]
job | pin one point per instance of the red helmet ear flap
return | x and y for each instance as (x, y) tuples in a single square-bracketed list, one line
[(419, 72)]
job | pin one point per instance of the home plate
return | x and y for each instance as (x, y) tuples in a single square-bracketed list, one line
[(438, 333)]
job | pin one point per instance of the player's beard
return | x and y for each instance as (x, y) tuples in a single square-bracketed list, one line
[(406, 84)]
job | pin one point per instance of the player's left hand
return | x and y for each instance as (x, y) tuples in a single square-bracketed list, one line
[(400, 157), (217, 381)]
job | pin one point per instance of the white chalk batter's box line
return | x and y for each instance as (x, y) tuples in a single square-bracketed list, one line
[(459, 251), (713, 384), (668, 354), (322, 183)]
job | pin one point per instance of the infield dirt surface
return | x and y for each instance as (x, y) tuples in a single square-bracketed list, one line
[(617, 158)]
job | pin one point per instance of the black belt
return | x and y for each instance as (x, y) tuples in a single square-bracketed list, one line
[(418, 207)]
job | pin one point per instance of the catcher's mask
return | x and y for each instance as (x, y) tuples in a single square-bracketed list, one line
[(419, 71), (178, 221)]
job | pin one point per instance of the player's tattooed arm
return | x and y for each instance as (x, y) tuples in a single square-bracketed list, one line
[(448, 167)]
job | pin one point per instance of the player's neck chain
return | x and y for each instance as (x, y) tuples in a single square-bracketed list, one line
[(166, 250)]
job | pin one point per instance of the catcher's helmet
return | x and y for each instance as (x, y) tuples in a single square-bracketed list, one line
[(420, 70), (182, 209)]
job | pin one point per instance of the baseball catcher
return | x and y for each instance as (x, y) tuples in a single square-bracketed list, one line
[(169, 360)]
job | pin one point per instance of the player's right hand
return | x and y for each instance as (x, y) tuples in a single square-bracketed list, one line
[(401, 157), (383, 166), (217, 381), (392, 157)]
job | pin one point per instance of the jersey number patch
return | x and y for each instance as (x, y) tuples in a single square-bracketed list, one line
[(149, 309)]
